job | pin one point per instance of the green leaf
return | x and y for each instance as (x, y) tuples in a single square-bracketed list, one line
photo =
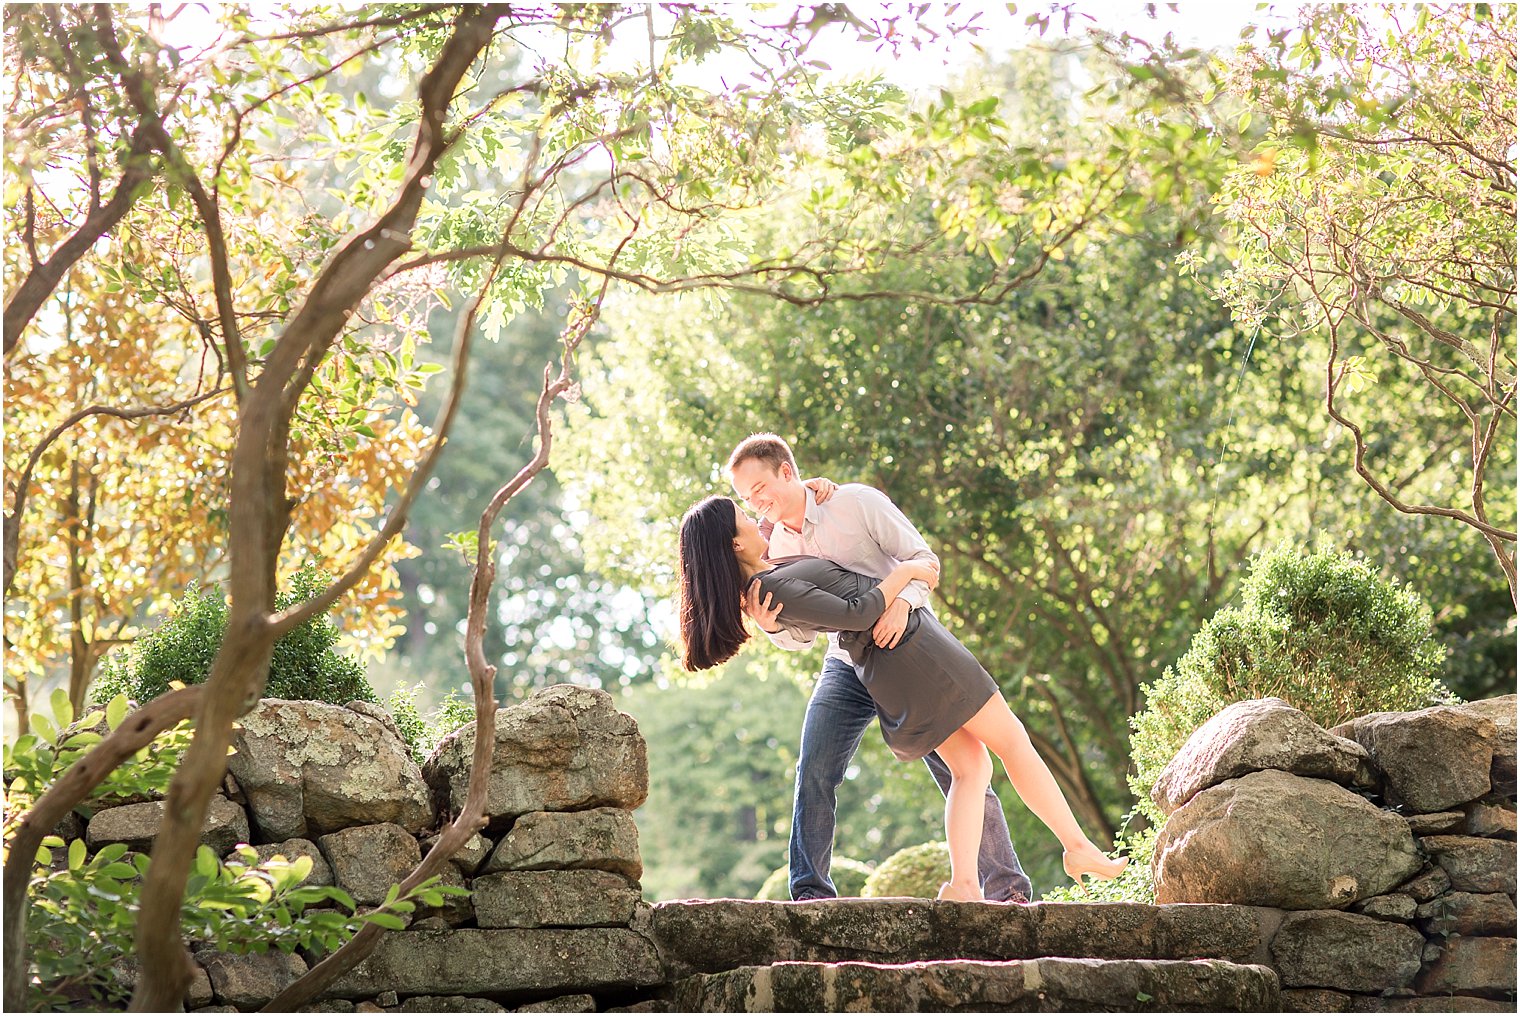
[(385, 920), (76, 855), (116, 711), (63, 710), (206, 863), (111, 852)]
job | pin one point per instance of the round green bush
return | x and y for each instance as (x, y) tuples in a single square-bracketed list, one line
[(913, 871), (305, 664), (1320, 630), (849, 879)]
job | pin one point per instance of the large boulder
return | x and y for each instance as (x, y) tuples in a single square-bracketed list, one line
[(1277, 840), (1471, 965), (549, 899), (137, 824), (566, 748), (1501, 713), (1249, 736), (1475, 864), (250, 980), (1433, 759), (602, 838), (1347, 952), (368, 860), (309, 768)]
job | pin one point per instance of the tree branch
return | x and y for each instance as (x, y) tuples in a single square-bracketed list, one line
[(14, 520), (44, 278), (135, 733)]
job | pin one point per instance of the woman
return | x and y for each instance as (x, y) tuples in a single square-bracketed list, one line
[(931, 694)]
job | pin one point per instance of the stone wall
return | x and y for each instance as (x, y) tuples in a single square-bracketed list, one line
[(1370, 868), (1389, 841)]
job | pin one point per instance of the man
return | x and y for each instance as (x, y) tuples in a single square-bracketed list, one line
[(860, 528)]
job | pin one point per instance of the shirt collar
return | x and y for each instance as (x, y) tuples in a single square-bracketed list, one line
[(810, 511)]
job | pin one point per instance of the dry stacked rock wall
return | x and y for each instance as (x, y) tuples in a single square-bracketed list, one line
[(1370, 868), (554, 879), (1389, 839)]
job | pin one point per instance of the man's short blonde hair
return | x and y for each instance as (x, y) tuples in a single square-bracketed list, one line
[(767, 448)]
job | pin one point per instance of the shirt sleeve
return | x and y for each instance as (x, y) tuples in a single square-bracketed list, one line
[(792, 639), (803, 603), (894, 534)]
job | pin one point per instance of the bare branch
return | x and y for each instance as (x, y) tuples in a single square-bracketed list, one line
[(44, 278)]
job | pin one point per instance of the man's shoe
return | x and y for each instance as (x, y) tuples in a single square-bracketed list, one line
[(811, 894)]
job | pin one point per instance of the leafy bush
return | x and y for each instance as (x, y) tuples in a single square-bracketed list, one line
[(83, 910), (1134, 884), (1320, 630), (849, 879), (913, 871), (422, 733), (304, 665)]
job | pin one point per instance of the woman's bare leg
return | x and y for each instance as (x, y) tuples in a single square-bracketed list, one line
[(970, 772), (996, 727)]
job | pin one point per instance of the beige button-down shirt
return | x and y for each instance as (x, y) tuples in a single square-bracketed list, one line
[(862, 530)]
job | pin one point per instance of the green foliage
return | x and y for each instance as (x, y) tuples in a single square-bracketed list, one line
[(420, 733), (558, 619), (1134, 884), (849, 877), (305, 664), (913, 871), (1364, 231), (84, 912), (35, 760), (84, 909), (1321, 630)]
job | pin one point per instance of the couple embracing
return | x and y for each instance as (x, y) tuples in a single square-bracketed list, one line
[(846, 562)]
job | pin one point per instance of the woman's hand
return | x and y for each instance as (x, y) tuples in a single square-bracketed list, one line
[(926, 572), (822, 487)]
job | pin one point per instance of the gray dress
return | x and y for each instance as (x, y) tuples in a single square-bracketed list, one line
[(925, 688)]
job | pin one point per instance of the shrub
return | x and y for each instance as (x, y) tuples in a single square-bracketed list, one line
[(849, 879), (913, 871), (422, 733), (304, 665), (1320, 630)]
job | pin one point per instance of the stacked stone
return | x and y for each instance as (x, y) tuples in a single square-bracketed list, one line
[(338, 785), (1390, 841)]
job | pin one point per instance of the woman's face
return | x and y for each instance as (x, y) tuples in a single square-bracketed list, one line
[(748, 543)]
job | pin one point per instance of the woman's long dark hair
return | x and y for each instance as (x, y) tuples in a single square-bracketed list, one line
[(712, 611)]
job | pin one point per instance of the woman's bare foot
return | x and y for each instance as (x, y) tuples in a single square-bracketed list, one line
[(950, 891), (1089, 860)]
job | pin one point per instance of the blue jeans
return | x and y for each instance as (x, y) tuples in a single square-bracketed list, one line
[(837, 717)]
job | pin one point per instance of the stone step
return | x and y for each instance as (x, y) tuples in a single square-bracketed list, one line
[(1035, 985), (709, 936)]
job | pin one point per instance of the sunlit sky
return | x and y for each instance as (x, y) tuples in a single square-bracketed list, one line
[(1205, 23)]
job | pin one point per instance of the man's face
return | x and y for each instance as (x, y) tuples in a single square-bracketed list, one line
[(763, 489)]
